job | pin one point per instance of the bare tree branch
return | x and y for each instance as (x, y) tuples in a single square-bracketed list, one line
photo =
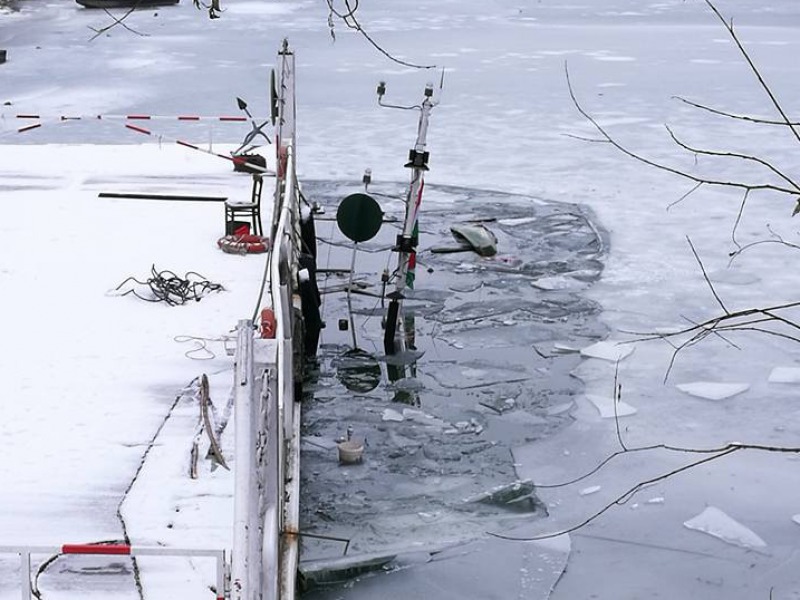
[(662, 167), (117, 21), (776, 239), (729, 27), (349, 19), (745, 157), (705, 276), (685, 196), (627, 495), (723, 113)]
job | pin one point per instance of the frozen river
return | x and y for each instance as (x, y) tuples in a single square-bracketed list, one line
[(505, 123)]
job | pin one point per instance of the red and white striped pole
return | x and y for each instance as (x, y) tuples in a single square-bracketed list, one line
[(130, 117), (237, 160)]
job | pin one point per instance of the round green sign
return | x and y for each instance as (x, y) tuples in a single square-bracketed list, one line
[(359, 217)]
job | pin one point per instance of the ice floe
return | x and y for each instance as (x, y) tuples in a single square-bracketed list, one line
[(710, 390), (605, 406), (785, 375), (610, 351), (390, 414), (716, 523)]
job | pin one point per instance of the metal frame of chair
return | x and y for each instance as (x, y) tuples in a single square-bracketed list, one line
[(249, 211)]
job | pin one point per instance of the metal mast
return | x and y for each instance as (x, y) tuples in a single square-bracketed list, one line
[(406, 245)]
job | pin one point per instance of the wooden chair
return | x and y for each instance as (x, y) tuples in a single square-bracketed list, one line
[(238, 212)]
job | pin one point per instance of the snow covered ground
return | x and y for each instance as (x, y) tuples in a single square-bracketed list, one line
[(87, 378)]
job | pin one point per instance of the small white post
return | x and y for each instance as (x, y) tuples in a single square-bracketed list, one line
[(25, 574), (244, 468)]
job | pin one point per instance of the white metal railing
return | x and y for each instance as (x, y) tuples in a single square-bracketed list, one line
[(25, 553), (265, 551)]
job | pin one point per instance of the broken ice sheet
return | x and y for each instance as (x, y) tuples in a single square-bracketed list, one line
[(785, 375), (605, 406), (611, 351), (389, 414), (559, 282), (716, 523), (710, 390)]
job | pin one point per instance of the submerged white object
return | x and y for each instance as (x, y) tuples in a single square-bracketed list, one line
[(605, 406), (590, 490), (611, 351), (785, 375), (559, 282), (716, 523), (710, 390), (390, 414)]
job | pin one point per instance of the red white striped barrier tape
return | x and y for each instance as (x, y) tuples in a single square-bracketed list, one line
[(132, 117), (237, 160)]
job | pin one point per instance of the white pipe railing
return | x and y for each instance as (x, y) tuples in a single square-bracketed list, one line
[(267, 424), (25, 553), (242, 569)]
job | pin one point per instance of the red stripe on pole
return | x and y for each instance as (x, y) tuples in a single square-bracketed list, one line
[(139, 117), (233, 119), (28, 117), (139, 129), (188, 118), (187, 144), (28, 128), (95, 549)]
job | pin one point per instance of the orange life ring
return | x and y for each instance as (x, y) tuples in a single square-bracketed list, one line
[(243, 244)]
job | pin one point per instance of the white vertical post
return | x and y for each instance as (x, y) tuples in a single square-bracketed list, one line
[(272, 497), (244, 536), (221, 575), (25, 574)]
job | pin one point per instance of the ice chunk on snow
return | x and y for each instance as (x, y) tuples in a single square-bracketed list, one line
[(590, 490), (713, 391), (796, 519), (716, 523), (561, 543), (564, 348), (605, 406), (392, 415), (733, 277), (785, 375), (559, 283), (610, 351)]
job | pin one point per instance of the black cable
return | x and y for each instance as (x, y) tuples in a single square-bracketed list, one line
[(166, 286), (349, 19)]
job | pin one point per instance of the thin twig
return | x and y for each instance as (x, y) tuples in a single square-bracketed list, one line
[(705, 276), (745, 157), (723, 113), (729, 27), (117, 21), (662, 167), (350, 20), (624, 497)]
